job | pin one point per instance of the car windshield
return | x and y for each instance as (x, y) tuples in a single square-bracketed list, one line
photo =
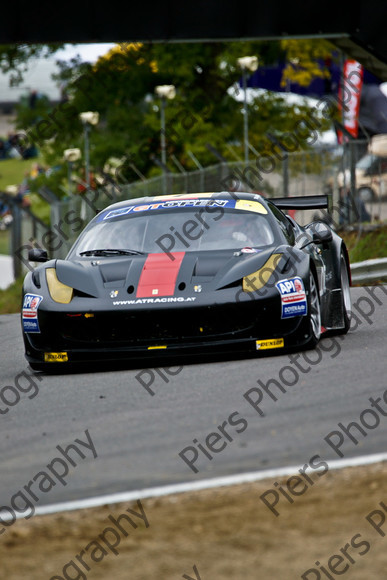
[(181, 230)]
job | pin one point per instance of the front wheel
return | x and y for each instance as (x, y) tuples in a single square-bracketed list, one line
[(314, 312)]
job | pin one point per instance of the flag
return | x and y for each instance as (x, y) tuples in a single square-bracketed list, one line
[(349, 97)]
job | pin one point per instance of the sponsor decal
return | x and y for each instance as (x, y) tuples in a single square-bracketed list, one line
[(157, 347), (113, 293), (187, 201), (293, 297), (55, 357), (167, 204), (30, 312), (249, 250), (269, 343), (170, 299), (248, 205), (198, 288), (182, 196)]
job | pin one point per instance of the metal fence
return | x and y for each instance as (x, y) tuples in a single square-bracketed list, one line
[(311, 172), (27, 231), (300, 173), (303, 173)]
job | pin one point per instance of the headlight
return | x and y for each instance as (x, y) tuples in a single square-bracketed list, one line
[(258, 279), (59, 292)]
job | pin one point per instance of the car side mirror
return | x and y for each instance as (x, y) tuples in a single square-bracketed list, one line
[(322, 237), (319, 233), (37, 255)]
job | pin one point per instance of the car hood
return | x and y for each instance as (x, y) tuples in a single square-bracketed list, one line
[(159, 274)]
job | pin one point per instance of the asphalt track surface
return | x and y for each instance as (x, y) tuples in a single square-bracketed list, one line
[(138, 437)]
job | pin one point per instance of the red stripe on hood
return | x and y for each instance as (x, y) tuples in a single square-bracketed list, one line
[(158, 276)]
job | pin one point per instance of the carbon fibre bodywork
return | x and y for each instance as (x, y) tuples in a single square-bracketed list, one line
[(127, 304)]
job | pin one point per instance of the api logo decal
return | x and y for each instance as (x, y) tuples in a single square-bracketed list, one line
[(293, 297), (30, 312)]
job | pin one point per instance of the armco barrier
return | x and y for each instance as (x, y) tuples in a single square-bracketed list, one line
[(369, 271)]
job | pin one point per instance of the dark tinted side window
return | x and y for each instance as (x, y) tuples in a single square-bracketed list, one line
[(284, 223)]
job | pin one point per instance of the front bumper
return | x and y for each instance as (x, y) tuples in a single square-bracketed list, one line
[(127, 335)]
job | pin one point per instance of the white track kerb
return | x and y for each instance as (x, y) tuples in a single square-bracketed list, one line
[(198, 485)]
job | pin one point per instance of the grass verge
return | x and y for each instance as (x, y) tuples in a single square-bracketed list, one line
[(13, 171), (368, 246), (4, 242), (10, 298)]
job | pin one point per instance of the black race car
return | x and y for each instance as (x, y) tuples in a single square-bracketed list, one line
[(182, 274)]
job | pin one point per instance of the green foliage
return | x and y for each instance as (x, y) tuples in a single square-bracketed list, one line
[(303, 60), (4, 242), (13, 171), (121, 87), (40, 208), (370, 245), (10, 298), (27, 116), (55, 179), (15, 58)]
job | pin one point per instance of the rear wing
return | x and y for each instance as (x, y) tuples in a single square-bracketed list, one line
[(301, 202)]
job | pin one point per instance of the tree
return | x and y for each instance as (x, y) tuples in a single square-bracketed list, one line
[(306, 60), (121, 87), (15, 58)]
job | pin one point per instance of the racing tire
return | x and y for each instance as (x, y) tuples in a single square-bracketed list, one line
[(314, 313), (346, 293)]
